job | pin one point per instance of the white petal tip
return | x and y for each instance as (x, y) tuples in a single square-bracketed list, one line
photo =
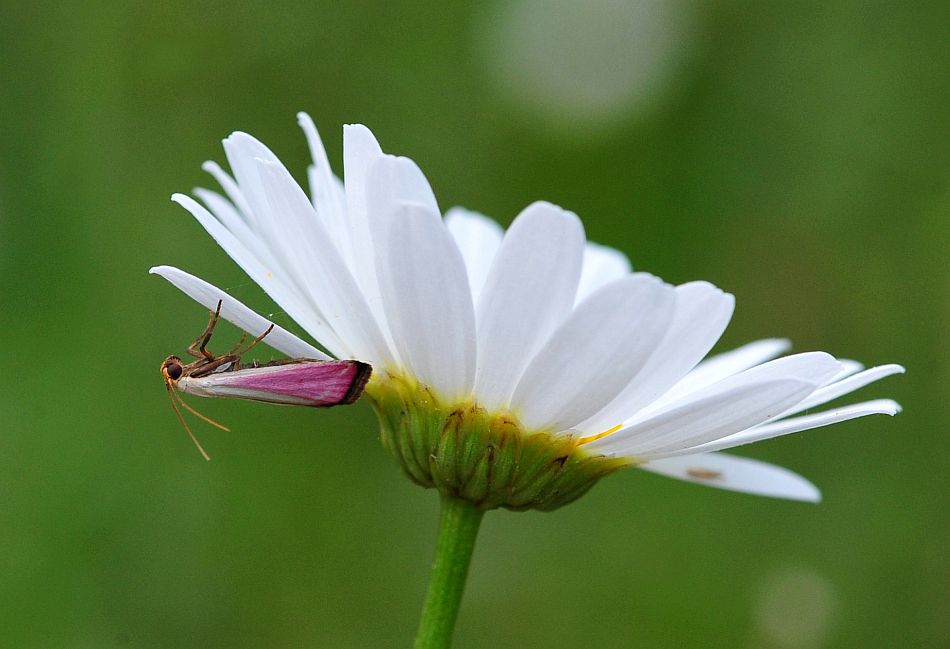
[(548, 205), (850, 362), (798, 489), (652, 279), (543, 211), (166, 272), (813, 496), (881, 407), (556, 209), (700, 284)]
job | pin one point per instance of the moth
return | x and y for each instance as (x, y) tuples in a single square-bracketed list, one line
[(291, 381)]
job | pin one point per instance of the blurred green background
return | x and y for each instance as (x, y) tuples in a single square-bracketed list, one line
[(795, 154)]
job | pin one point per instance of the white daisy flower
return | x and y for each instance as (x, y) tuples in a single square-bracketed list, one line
[(512, 368)]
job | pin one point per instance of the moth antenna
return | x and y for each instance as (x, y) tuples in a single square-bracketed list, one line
[(184, 425), (199, 415)]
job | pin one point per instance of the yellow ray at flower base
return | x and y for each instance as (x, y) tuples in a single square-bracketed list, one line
[(591, 438)]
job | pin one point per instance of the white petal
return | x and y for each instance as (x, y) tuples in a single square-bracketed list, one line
[(529, 291), (846, 385), (287, 236), (737, 474), (330, 187), (297, 236), (230, 188), (702, 313), (814, 367), (395, 179), (798, 424), (714, 415), (391, 182), (427, 299), (478, 238), (332, 212), (723, 365), (360, 150), (602, 265), (848, 367), (243, 151), (594, 354), (235, 312), (755, 396), (326, 189), (269, 278), (327, 277), (230, 218)]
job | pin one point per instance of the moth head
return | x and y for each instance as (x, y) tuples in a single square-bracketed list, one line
[(172, 369)]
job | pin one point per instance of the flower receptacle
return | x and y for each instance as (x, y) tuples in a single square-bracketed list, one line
[(484, 458)]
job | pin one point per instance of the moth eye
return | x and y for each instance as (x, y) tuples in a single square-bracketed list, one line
[(173, 370)]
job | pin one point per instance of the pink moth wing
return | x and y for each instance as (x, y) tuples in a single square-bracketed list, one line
[(294, 382)]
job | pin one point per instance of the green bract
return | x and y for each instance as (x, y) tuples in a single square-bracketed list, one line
[(484, 458)]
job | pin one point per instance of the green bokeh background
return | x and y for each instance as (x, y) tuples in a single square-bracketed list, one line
[(796, 156)]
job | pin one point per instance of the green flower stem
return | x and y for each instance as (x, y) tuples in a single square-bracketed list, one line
[(458, 527)]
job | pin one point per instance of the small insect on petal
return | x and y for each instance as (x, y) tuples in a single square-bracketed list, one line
[(294, 381), (703, 474)]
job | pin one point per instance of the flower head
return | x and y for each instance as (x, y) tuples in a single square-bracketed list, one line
[(511, 368)]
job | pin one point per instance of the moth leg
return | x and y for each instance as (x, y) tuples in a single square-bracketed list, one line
[(197, 348), (254, 342), (211, 366), (238, 345)]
